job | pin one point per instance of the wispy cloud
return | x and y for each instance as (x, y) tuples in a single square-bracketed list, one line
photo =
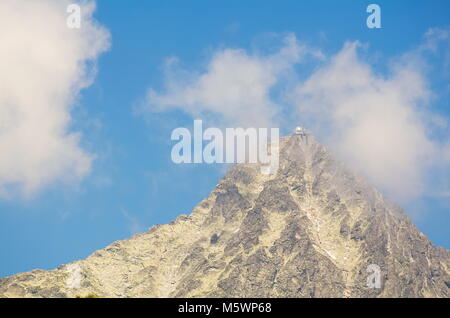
[(234, 88), (132, 223)]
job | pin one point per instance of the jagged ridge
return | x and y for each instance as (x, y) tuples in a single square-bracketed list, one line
[(310, 230)]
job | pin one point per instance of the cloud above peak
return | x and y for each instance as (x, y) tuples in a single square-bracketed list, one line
[(375, 122), (235, 87), (44, 65), (381, 123)]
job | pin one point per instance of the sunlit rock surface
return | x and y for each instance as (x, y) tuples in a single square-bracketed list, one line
[(311, 230)]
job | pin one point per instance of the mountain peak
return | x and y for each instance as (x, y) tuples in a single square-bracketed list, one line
[(313, 229)]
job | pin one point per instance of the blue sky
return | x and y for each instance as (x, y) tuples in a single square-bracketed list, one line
[(132, 183)]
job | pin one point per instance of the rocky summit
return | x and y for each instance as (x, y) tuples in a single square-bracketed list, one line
[(313, 229)]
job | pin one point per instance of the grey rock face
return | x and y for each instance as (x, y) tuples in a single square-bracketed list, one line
[(311, 230)]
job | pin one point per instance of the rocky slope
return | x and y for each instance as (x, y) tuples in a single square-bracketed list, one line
[(311, 230)]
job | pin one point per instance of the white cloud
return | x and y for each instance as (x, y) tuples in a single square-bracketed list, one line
[(235, 86), (44, 65), (379, 124)]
